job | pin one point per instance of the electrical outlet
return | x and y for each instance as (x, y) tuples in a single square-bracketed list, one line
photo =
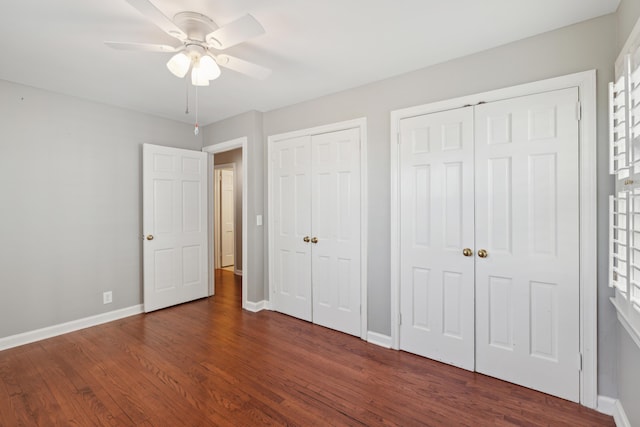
[(107, 297)]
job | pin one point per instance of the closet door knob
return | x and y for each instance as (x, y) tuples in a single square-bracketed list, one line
[(314, 240), (150, 237), (482, 253), (306, 239), (467, 252)]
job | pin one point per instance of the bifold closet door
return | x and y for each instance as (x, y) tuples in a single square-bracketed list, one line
[(291, 210), (335, 216), (436, 226), (527, 220)]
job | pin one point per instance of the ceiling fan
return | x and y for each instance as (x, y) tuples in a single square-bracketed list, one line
[(201, 39)]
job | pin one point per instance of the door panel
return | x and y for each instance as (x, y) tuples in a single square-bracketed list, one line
[(227, 217), (175, 215), (335, 207), (527, 288), (291, 201), (437, 215)]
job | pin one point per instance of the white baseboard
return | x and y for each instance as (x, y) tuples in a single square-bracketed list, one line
[(379, 339), (64, 328), (606, 405), (237, 272), (613, 407), (256, 306), (619, 416)]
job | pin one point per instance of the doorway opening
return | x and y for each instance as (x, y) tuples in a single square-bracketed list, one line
[(230, 156)]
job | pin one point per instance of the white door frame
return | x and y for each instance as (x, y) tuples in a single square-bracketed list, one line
[(212, 150), (586, 84), (218, 242), (361, 124)]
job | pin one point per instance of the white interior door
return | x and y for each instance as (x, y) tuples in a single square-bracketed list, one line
[(335, 216), (436, 225), (227, 217), (291, 226), (174, 184), (527, 288)]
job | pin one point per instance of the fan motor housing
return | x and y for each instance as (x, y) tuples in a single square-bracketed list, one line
[(195, 25)]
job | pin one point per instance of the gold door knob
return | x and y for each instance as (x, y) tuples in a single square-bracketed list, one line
[(482, 253), (467, 252), (314, 240), (306, 239), (150, 237)]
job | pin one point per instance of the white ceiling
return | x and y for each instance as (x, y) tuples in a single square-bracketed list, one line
[(313, 47)]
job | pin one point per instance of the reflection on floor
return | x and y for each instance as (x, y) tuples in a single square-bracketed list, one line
[(229, 268)]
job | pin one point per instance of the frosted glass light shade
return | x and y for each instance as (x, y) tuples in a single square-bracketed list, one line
[(179, 64), (209, 68), (198, 77)]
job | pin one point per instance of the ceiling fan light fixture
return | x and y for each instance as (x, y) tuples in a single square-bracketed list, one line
[(198, 77), (209, 68), (179, 64)]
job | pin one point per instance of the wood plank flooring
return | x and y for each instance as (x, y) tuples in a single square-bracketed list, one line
[(210, 363)]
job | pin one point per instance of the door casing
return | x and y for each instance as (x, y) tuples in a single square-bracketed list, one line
[(586, 84)]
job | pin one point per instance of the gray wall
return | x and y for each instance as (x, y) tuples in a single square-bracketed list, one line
[(70, 212), (629, 376), (235, 157), (585, 46), (248, 125), (628, 354), (627, 14)]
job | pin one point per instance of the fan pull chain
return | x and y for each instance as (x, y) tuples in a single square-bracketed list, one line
[(196, 130), (186, 89)]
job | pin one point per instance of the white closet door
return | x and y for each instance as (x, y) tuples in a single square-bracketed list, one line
[(291, 210), (335, 206), (227, 217), (174, 187), (527, 289), (436, 225)]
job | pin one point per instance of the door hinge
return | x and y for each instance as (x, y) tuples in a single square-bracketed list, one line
[(579, 111), (579, 361)]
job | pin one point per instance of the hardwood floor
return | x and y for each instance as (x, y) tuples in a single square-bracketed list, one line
[(210, 363)]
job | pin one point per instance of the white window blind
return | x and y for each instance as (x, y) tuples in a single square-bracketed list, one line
[(618, 242), (624, 205)]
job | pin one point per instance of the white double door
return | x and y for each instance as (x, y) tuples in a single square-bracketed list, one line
[(315, 208), (489, 239)]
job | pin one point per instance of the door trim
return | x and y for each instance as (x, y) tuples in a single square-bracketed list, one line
[(212, 150), (586, 84), (361, 124)]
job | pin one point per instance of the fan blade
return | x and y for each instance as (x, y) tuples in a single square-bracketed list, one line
[(142, 47), (235, 32), (158, 18), (245, 67)]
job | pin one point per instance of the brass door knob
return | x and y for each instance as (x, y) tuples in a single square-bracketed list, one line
[(306, 239), (482, 253), (314, 240), (467, 252), (150, 237)]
